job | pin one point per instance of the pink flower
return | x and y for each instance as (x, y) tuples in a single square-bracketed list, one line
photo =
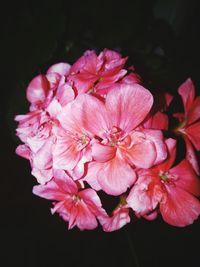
[(172, 188), (189, 125), (78, 207), (119, 146), (97, 73)]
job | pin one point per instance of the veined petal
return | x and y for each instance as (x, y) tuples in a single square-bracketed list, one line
[(103, 153), (187, 180), (116, 176), (179, 208), (128, 105)]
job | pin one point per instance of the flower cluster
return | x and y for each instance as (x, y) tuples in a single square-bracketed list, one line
[(93, 130)]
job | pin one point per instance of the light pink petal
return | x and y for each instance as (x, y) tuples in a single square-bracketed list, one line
[(142, 154), (89, 113), (187, 179), (187, 92), (93, 169), (120, 218), (54, 108), (116, 176), (192, 133), (131, 78), (145, 194), (85, 218), (23, 151), (179, 208), (167, 164), (60, 68), (37, 90), (156, 137), (65, 153), (191, 156), (65, 94), (42, 175), (103, 153), (194, 111), (128, 105)]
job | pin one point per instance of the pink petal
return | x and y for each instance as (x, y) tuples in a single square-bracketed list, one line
[(37, 90), (64, 182), (194, 111), (156, 137), (137, 154), (65, 94), (158, 121), (23, 151), (187, 92), (60, 68), (91, 175), (103, 153), (187, 180), (116, 176), (128, 105), (120, 218), (42, 175), (179, 208)]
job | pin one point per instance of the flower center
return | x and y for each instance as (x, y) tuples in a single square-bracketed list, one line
[(115, 136)]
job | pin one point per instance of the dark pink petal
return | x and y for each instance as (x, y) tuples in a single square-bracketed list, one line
[(37, 90), (49, 191), (60, 68), (157, 121), (187, 92), (64, 182), (179, 208), (194, 111), (116, 176), (128, 105), (187, 179), (103, 153), (92, 200), (83, 82), (192, 133), (131, 78), (23, 151)]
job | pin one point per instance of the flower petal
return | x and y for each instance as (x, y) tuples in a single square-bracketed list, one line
[(116, 176), (103, 153), (191, 156), (179, 208), (128, 105), (60, 68), (187, 92), (192, 133)]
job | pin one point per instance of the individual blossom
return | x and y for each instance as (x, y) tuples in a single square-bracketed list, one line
[(79, 207), (118, 146), (189, 121), (174, 190), (96, 74)]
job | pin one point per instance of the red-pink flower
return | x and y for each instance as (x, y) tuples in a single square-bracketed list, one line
[(172, 188), (118, 145), (189, 125), (76, 206), (97, 73)]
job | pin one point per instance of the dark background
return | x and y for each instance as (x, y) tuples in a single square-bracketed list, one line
[(161, 39)]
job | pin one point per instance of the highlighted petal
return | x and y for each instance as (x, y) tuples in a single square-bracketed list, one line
[(103, 153)]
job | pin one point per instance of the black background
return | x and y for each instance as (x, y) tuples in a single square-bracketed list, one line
[(161, 39)]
